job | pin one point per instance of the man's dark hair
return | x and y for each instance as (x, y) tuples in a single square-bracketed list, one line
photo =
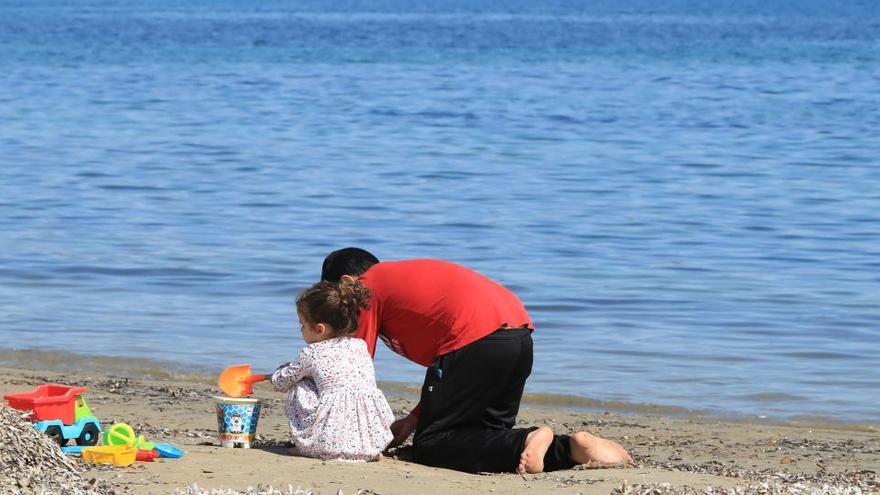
[(347, 261)]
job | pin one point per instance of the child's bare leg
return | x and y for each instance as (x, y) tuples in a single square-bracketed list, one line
[(590, 449), (532, 458)]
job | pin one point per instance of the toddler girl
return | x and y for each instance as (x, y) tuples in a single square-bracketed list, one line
[(335, 410)]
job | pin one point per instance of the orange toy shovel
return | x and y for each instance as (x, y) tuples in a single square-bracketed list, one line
[(237, 381)]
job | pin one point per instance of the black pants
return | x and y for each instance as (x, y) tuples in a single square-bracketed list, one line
[(470, 400)]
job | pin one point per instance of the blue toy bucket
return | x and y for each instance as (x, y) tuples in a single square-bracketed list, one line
[(237, 421)]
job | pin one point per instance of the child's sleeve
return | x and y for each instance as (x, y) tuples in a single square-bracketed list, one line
[(286, 376)]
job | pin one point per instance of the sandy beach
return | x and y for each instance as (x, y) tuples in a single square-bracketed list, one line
[(678, 455)]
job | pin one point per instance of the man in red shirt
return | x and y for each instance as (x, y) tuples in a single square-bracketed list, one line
[(474, 336)]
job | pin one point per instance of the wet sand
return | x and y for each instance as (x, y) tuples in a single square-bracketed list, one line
[(688, 453)]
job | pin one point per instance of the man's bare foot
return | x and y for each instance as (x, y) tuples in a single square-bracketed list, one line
[(590, 449), (532, 458), (378, 458)]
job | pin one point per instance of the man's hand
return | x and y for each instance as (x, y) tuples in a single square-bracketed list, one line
[(402, 428)]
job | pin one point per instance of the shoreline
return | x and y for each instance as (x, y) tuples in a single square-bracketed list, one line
[(154, 369), (687, 453)]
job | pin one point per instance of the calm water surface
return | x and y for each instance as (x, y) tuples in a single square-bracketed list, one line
[(686, 197)]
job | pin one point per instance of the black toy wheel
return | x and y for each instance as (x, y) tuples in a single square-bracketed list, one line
[(89, 435), (54, 433)]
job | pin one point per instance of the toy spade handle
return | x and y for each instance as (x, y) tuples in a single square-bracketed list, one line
[(256, 378)]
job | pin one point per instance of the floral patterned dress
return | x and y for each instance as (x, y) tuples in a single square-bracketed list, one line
[(334, 407)]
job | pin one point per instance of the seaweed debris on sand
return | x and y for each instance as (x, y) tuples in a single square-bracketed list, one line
[(33, 463), (856, 484), (194, 489)]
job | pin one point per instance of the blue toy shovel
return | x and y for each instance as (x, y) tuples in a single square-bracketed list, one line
[(168, 450)]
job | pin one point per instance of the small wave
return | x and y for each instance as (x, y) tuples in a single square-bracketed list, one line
[(139, 272), (772, 397), (444, 114), (466, 226), (555, 308), (565, 119), (124, 187), (820, 355), (697, 165), (262, 205), (23, 274), (133, 367), (93, 175), (451, 175), (584, 403)]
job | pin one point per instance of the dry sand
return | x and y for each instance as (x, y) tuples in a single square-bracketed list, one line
[(688, 454)]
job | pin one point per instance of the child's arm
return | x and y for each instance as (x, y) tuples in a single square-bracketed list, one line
[(286, 376)]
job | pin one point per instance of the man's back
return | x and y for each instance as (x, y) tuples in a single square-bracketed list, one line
[(425, 308)]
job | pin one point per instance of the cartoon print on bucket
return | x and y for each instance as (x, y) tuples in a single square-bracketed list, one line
[(237, 421)]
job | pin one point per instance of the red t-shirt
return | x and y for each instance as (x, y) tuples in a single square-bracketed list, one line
[(423, 309)]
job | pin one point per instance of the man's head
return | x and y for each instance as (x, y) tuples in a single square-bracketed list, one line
[(347, 261)]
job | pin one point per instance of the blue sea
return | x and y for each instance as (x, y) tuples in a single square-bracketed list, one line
[(685, 194)]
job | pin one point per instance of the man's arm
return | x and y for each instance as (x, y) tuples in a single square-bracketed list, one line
[(368, 330), (403, 428), (368, 326)]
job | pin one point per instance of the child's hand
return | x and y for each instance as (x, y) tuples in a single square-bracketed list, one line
[(290, 363)]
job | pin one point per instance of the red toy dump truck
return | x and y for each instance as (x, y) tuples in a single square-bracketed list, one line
[(60, 412)]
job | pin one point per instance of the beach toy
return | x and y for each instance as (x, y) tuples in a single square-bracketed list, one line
[(142, 444), (237, 381), (119, 434), (122, 434), (118, 455), (237, 421), (146, 455), (59, 411), (168, 450), (48, 402)]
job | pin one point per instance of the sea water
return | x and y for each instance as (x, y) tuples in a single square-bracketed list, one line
[(684, 194)]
